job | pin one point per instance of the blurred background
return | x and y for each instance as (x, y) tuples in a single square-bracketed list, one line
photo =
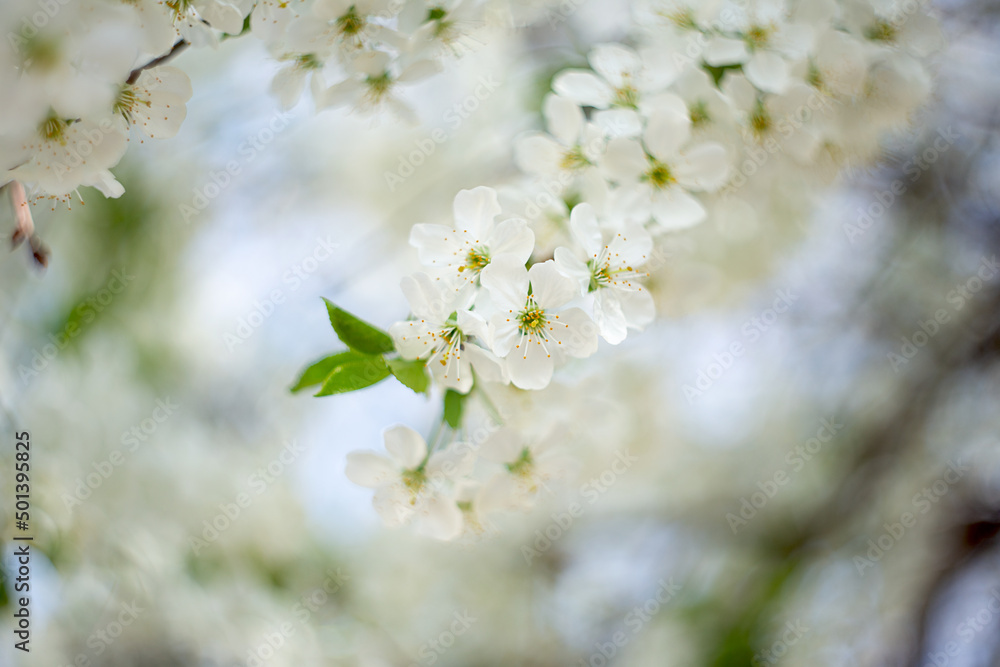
[(830, 495)]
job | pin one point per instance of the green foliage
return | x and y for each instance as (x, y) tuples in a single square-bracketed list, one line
[(358, 334), (411, 373), (319, 371), (454, 406), (353, 371)]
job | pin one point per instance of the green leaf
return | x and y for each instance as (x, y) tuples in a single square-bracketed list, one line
[(358, 334), (411, 373), (454, 405), (317, 372), (354, 371)]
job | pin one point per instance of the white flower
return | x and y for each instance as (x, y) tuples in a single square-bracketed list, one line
[(663, 170), (156, 103), (609, 272), (894, 28), (373, 78), (528, 468), (195, 19), (532, 326), (462, 251), (63, 155), (440, 335), (769, 42), (412, 485), (626, 80), (789, 119), (305, 48), (352, 24), (839, 66), (572, 149)]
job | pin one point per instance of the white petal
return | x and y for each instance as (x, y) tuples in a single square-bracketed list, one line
[(392, 502), (549, 288), (530, 366), (507, 281), (638, 307), (405, 445), (440, 518), (512, 237), (609, 317), (584, 88), (288, 84), (585, 228), (666, 132), (414, 338), (619, 122), (436, 245), (573, 332), (369, 469), (768, 71), (725, 51), (703, 167), (539, 154), (624, 160), (675, 209), (563, 118), (573, 267), (616, 63), (504, 446), (488, 367), (475, 209)]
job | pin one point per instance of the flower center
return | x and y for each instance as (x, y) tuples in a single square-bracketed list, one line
[(41, 53), (476, 260), (522, 466), (53, 128), (758, 36), (658, 175), (626, 96), (532, 320), (378, 86), (760, 120), (308, 61), (574, 159), (882, 31), (699, 113), (683, 19), (414, 481), (350, 23)]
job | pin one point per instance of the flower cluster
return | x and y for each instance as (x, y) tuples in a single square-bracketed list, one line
[(80, 77), (710, 96)]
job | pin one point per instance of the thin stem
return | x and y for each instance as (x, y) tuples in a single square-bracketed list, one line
[(173, 52), (487, 403)]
